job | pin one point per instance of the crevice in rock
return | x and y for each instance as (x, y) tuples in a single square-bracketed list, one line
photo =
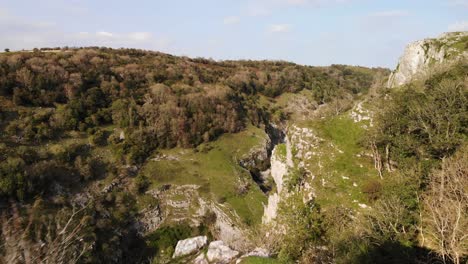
[(259, 168)]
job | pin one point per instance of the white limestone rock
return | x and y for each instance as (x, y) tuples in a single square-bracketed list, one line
[(258, 252), (218, 252), (419, 56), (270, 210), (279, 169), (189, 246), (200, 259)]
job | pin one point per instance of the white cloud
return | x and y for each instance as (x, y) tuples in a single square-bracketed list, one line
[(230, 20), (105, 38), (459, 26), (140, 36), (104, 34), (19, 33), (279, 28), (390, 13)]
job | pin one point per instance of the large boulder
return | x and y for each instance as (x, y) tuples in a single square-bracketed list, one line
[(219, 253), (189, 246)]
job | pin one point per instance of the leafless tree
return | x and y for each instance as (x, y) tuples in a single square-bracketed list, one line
[(445, 208), (377, 158), (39, 237)]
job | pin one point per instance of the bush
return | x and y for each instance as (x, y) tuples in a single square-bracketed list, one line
[(99, 138), (141, 183), (372, 189)]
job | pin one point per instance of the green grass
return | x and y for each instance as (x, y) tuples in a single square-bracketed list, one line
[(460, 45), (342, 162), (259, 260), (215, 167), (281, 151), (343, 132)]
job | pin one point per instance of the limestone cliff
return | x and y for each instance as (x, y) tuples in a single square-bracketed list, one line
[(420, 56)]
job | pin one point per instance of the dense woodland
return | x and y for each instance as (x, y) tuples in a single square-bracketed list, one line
[(154, 101)]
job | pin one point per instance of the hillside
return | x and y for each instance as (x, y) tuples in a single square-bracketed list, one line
[(118, 156)]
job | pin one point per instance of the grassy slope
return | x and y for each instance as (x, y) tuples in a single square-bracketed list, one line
[(215, 168), (342, 165)]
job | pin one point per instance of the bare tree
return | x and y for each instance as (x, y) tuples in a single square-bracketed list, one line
[(387, 219), (445, 208), (377, 158), (43, 238)]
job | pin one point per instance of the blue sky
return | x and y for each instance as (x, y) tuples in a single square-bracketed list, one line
[(311, 32)]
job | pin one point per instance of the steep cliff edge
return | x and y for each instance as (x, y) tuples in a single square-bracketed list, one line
[(421, 55)]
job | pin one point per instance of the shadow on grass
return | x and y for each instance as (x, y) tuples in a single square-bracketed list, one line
[(395, 253)]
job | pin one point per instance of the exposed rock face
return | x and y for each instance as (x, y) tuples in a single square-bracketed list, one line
[(151, 219), (218, 252), (257, 158), (226, 227), (271, 208), (279, 169), (421, 55), (189, 246)]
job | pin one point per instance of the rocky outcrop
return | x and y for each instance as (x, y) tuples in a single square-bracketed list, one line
[(189, 246), (279, 169), (150, 220), (421, 55), (226, 226), (270, 210), (190, 250), (257, 158), (218, 252)]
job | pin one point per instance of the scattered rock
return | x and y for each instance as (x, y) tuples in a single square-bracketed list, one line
[(258, 252), (364, 206), (165, 157), (189, 246), (218, 252)]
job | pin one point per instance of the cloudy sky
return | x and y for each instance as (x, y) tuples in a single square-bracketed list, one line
[(311, 32)]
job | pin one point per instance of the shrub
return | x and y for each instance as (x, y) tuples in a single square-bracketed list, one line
[(99, 138), (372, 189), (141, 183)]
